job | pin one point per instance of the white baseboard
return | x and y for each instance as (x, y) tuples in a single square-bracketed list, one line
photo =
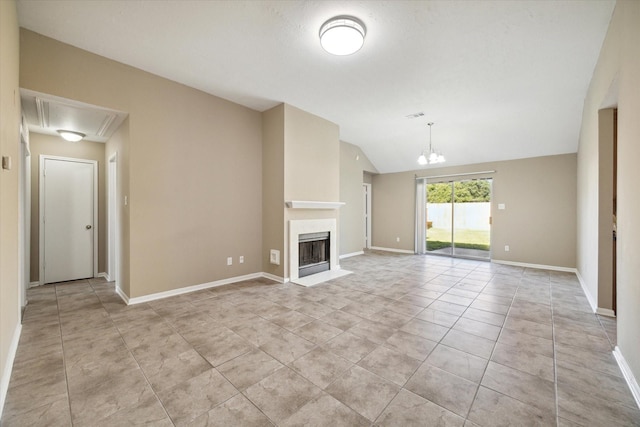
[(538, 266), (400, 251), (275, 278), (122, 295), (105, 275), (605, 312), (8, 367), (585, 290), (34, 284), (188, 289), (351, 254), (628, 375)]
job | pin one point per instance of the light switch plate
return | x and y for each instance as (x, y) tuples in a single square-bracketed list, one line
[(501, 206), (274, 256)]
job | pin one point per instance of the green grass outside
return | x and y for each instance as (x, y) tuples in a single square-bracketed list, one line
[(438, 238)]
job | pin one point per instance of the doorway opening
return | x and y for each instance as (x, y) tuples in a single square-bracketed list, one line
[(458, 218)]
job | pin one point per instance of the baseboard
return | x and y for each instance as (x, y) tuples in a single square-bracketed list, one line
[(105, 275), (537, 266), (122, 295), (628, 375), (34, 284), (188, 289), (275, 278), (8, 367), (605, 312), (400, 251), (351, 254), (585, 291)]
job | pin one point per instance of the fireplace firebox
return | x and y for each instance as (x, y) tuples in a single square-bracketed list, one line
[(313, 253)]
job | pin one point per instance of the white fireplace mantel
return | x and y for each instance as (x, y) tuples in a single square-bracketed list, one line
[(303, 204)]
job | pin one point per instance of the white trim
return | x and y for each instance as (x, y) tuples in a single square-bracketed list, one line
[(605, 312), (585, 290), (323, 276), (34, 284), (122, 295), (537, 266), (628, 375), (275, 278), (351, 254), (94, 163), (400, 251), (105, 275), (367, 210), (302, 204), (8, 367), (188, 289)]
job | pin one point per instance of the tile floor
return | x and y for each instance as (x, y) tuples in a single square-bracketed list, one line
[(405, 340)]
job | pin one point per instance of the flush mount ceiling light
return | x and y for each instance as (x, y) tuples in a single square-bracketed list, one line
[(70, 135), (342, 35), (433, 157)]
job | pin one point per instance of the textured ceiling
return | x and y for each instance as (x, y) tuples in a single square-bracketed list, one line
[(500, 79)]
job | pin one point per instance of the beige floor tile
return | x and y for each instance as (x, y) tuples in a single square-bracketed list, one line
[(286, 347), (341, 319), (526, 342), (350, 346), (237, 411), (438, 317), (410, 410), (291, 320), (390, 364), (174, 369), (250, 368), (522, 386), (192, 398), (480, 329), (524, 360), (491, 408), (458, 362), (55, 413), (223, 346), (447, 390), (363, 392), (427, 330), (318, 332), (320, 366), (325, 410), (584, 409), (373, 331), (412, 345), (282, 394), (469, 343)]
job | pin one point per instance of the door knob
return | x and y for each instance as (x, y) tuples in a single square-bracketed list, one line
[(88, 227)]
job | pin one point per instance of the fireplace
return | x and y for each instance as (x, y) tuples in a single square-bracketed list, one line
[(312, 228), (314, 253)]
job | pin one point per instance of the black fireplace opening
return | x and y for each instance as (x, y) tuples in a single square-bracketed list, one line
[(313, 253)]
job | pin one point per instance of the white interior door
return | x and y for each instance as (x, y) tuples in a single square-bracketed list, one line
[(68, 210)]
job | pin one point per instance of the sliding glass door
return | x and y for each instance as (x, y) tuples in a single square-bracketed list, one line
[(458, 218)]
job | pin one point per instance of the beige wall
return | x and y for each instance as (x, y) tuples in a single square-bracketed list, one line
[(118, 145), (311, 167), (616, 81), (353, 164), (538, 223), (194, 160), (273, 225), (301, 161), (55, 146), (9, 146)]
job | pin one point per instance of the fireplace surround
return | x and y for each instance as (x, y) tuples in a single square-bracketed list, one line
[(311, 226)]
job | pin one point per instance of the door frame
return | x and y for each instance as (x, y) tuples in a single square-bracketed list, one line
[(113, 223), (94, 163), (367, 213), (24, 215)]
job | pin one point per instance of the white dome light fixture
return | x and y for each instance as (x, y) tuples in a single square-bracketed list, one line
[(342, 35), (70, 135)]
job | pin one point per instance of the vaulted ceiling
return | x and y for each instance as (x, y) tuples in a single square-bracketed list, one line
[(500, 79)]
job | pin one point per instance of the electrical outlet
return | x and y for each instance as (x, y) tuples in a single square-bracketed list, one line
[(229, 260), (241, 259), (506, 248)]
